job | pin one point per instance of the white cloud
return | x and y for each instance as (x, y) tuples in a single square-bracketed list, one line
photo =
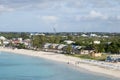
[(4, 8), (50, 19), (91, 15), (95, 14), (70, 3), (118, 17)]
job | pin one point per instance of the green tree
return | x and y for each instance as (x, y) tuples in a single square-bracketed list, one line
[(69, 49), (114, 48), (38, 41), (21, 46)]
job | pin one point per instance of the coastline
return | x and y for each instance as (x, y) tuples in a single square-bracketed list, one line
[(66, 59)]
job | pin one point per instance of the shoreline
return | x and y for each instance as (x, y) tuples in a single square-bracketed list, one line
[(77, 62)]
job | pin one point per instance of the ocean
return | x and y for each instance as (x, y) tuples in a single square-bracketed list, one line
[(21, 67)]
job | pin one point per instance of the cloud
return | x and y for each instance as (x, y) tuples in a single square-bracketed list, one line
[(50, 19), (4, 8), (62, 12), (59, 4), (94, 3), (92, 15), (118, 17), (69, 3), (95, 14)]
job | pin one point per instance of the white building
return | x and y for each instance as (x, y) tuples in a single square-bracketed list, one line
[(105, 36), (2, 38), (93, 35), (69, 41), (84, 35), (61, 46), (96, 42), (20, 39), (5, 42), (47, 45), (40, 34)]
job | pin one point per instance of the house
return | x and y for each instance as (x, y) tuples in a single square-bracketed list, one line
[(61, 46), (93, 54), (2, 38), (27, 43), (105, 36), (54, 46), (20, 39), (15, 41), (96, 42), (5, 42), (76, 49), (69, 41), (47, 45), (87, 50), (93, 35), (41, 34), (84, 35)]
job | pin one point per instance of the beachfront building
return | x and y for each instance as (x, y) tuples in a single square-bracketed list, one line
[(3, 41), (54, 46), (93, 54), (27, 43), (6, 42), (46, 46), (2, 38), (20, 40), (87, 50), (61, 46), (76, 49)]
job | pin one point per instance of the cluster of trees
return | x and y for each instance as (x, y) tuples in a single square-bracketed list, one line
[(19, 45), (10, 35), (39, 40), (107, 45), (113, 47)]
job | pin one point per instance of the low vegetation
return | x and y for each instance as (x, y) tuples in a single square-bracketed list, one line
[(87, 56)]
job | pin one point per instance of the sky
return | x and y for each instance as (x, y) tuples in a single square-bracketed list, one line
[(62, 15)]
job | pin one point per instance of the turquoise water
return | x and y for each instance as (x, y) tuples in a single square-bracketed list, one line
[(21, 67)]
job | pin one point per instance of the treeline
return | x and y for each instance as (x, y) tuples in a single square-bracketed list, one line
[(10, 35), (107, 45)]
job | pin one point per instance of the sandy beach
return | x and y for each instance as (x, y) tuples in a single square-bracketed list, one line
[(112, 69)]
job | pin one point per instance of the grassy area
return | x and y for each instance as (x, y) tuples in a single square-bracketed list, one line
[(87, 56)]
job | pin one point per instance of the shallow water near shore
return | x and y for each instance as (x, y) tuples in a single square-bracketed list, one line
[(21, 67)]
